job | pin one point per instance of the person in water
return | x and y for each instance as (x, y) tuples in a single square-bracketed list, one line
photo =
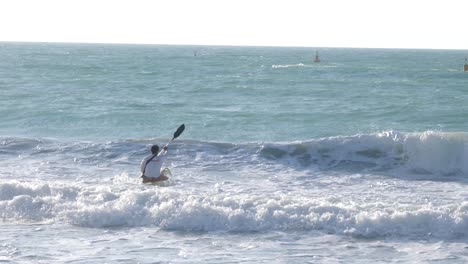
[(151, 166)]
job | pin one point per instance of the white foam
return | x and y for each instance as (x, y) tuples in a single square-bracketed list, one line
[(437, 152), (288, 65), (171, 209)]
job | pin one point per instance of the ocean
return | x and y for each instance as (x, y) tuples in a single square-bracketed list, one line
[(361, 158)]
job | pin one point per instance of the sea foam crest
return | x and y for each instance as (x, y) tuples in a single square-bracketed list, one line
[(288, 65), (171, 209), (427, 153)]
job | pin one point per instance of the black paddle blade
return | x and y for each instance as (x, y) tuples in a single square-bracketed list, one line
[(179, 131)]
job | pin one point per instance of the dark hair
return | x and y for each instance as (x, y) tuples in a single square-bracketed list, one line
[(155, 149)]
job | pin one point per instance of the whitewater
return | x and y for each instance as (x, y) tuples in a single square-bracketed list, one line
[(360, 158)]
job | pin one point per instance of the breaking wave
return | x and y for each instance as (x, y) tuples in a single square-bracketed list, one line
[(437, 153), (423, 153), (170, 209)]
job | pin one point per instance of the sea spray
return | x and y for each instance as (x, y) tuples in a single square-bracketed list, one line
[(171, 209)]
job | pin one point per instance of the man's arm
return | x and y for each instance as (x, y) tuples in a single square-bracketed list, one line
[(143, 164), (163, 152)]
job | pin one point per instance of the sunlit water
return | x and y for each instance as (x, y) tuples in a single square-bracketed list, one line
[(360, 158)]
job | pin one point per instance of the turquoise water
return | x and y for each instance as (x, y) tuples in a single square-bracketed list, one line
[(230, 94), (359, 158)]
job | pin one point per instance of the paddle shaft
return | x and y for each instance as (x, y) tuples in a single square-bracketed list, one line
[(176, 135)]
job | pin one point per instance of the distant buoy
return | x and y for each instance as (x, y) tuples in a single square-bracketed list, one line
[(317, 58)]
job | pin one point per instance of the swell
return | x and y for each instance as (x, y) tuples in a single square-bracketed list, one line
[(439, 154)]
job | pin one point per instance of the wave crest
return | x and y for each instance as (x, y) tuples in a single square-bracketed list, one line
[(424, 153)]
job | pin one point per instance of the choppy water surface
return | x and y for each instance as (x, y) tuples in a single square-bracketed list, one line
[(360, 158)]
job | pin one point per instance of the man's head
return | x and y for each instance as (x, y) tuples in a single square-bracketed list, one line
[(155, 149)]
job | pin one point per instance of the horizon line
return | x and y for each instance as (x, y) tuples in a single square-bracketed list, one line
[(224, 45)]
